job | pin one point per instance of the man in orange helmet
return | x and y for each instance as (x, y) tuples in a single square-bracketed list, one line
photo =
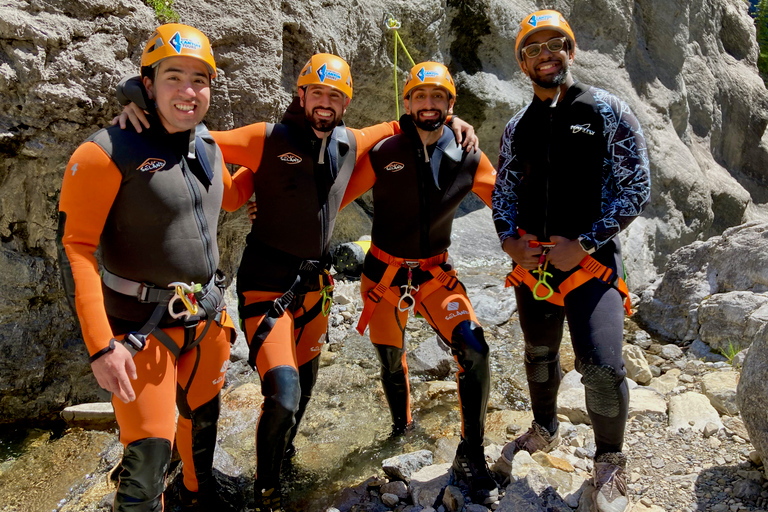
[(298, 169), (573, 172), (419, 178), (154, 323)]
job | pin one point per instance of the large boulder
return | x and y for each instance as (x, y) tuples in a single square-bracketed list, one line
[(712, 291), (687, 69), (752, 393)]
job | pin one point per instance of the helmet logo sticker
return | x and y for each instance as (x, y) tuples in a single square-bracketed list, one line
[(289, 158), (423, 74), (394, 167), (330, 74), (151, 165), (178, 43), (535, 21)]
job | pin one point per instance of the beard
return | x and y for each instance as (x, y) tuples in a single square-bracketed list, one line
[(432, 124), (552, 81), (323, 124)]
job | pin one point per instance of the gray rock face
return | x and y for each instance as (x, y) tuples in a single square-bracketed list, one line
[(686, 68), (752, 393)]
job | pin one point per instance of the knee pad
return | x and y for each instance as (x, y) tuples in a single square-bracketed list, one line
[(282, 392), (142, 478), (540, 366), (602, 389), (469, 346)]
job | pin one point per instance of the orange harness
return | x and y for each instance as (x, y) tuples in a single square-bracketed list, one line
[(382, 289), (590, 268)]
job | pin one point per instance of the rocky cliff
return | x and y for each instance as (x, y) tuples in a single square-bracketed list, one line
[(687, 68)]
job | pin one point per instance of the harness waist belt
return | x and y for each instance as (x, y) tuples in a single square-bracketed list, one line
[(589, 268), (382, 289)]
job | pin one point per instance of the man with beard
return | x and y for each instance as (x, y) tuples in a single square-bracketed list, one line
[(419, 179), (299, 170), (154, 320), (573, 172)]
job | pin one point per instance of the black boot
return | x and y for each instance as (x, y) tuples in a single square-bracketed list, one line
[(142, 477), (394, 380), (471, 351), (307, 379), (267, 500)]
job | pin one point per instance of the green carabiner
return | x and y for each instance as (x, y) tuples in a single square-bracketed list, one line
[(327, 298), (542, 282)]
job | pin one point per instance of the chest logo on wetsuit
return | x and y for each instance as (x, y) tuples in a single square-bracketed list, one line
[(582, 128), (289, 158), (394, 167), (151, 165)]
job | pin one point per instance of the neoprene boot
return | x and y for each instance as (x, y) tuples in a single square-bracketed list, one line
[(281, 390), (307, 379), (142, 478), (394, 380), (471, 351)]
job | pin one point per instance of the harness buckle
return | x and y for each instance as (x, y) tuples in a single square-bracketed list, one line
[(281, 306), (410, 264), (373, 296), (134, 342), (143, 294)]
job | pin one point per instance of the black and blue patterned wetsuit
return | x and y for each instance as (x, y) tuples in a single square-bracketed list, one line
[(577, 169)]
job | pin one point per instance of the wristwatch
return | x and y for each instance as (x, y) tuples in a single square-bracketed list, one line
[(587, 244)]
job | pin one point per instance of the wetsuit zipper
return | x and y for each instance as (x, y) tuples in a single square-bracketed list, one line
[(424, 168), (545, 235), (197, 208)]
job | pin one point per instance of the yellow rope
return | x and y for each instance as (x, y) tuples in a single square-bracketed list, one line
[(393, 24)]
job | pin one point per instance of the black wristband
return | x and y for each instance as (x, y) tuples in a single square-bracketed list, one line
[(103, 351)]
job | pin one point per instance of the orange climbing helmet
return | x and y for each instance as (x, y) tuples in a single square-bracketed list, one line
[(538, 21), (327, 69), (177, 40), (429, 73)]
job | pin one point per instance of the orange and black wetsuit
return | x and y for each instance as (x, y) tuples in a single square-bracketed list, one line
[(153, 210), (299, 182), (415, 197)]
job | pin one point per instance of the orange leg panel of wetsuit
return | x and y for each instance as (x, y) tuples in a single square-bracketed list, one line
[(451, 315), (147, 425), (287, 363)]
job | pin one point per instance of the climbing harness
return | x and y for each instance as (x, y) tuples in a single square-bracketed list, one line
[(209, 297), (412, 295), (589, 268), (394, 25)]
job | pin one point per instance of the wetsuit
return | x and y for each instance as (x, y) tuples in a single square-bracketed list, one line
[(579, 169), (415, 199), (153, 210), (299, 182)]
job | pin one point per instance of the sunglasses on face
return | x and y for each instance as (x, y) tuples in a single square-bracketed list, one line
[(554, 45)]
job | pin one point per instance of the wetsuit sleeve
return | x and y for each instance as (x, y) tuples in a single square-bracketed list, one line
[(234, 197), (627, 177), (91, 183), (485, 179), (242, 146), (369, 137), (504, 199), (361, 181)]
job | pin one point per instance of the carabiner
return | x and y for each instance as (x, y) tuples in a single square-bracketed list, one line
[(186, 294), (326, 295), (542, 282), (391, 23)]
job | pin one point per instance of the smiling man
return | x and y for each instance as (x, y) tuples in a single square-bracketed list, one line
[(573, 172), (154, 322), (419, 179)]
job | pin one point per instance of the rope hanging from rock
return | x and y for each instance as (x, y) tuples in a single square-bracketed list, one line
[(394, 25)]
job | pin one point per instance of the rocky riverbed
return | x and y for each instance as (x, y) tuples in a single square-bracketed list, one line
[(688, 449)]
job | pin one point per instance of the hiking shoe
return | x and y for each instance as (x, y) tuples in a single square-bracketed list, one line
[(473, 470), (267, 500), (536, 439), (610, 483)]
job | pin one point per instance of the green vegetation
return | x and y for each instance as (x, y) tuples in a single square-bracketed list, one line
[(761, 21), (729, 352), (164, 10)]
